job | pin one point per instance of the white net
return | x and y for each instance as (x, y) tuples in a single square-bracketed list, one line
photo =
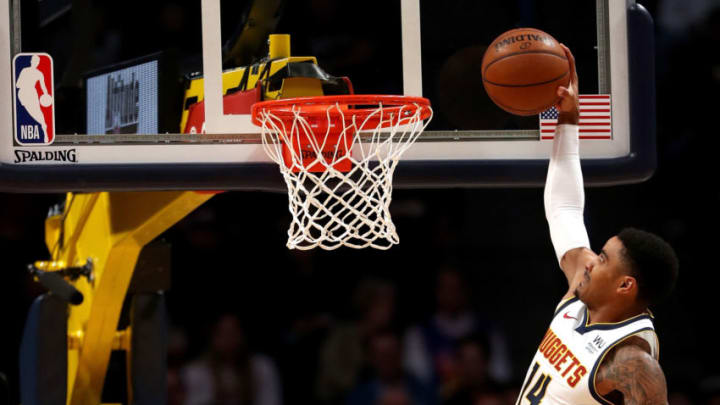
[(331, 206)]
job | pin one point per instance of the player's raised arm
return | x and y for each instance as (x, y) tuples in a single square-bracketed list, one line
[(564, 194)]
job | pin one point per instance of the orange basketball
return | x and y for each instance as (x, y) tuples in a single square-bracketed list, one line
[(522, 69)]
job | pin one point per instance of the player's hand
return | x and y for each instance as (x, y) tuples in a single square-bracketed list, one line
[(568, 103)]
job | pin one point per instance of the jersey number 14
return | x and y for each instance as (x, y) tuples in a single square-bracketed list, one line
[(536, 394)]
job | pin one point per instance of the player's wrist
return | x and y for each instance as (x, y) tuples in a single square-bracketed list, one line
[(568, 117)]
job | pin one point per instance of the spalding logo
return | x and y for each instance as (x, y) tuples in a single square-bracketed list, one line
[(66, 155), (526, 39)]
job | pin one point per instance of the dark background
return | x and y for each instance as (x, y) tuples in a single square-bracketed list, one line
[(230, 255)]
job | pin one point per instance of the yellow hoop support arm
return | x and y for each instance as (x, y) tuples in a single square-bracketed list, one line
[(110, 228)]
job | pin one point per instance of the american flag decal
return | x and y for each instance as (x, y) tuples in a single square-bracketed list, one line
[(595, 118)]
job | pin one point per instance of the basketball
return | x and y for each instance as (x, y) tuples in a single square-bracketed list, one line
[(45, 100), (522, 69)]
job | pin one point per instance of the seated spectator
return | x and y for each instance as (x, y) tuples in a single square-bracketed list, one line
[(388, 382), (229, 374), (342, 356), (430, 348), (472, 383)]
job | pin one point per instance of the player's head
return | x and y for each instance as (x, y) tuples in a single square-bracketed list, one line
[(34, 61), (634, 267)]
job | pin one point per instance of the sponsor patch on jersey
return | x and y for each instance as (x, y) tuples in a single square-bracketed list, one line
[(33, 99), (595, 345)]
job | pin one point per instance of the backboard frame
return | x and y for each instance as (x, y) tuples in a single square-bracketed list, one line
[(635, 161)]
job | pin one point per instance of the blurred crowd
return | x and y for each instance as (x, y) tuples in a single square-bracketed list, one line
[(453, 357)]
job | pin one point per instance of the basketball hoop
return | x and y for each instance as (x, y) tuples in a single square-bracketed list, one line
[(337, 155)]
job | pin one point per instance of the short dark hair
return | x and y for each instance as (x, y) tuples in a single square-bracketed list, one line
[(653, 263)]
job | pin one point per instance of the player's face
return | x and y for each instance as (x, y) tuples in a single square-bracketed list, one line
[(603, 275)]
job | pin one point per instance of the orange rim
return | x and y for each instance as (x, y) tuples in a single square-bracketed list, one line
[(360, 107)]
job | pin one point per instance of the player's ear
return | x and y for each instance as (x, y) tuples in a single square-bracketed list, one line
[(628, 285)]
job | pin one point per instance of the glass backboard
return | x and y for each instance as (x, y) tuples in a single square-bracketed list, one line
[(156, 95)]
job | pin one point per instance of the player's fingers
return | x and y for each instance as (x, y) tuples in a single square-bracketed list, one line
[(571, 62), (563, 91), (570, 57)]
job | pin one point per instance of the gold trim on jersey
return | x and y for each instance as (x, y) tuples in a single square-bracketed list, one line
[(564, 304), (565, 300), (626, 321)]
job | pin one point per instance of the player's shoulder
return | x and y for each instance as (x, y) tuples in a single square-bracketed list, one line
[(633, 348), (630, 359), (639, 346)]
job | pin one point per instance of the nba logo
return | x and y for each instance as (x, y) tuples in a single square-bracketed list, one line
[(33, 99)]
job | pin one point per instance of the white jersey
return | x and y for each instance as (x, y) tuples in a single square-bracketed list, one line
[(564, 367)]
